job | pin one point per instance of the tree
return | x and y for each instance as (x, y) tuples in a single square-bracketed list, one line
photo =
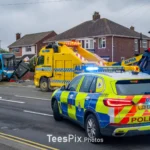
[(3, 51), (32, 63)]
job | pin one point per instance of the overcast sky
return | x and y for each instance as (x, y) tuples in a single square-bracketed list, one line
[(60, 15)]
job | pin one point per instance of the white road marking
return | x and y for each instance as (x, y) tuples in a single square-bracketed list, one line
[(37, 113), (32, 97), (11, 101)]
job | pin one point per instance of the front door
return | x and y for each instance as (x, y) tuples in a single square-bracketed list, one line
[(68, 97), (84, 96)]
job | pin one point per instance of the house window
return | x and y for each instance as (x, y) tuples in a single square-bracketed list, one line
[(15, 50), (136, 44), (28, 49), (89, 44), (86, 44), (82, 43), (102, 42), (122, 58), (144, 43)]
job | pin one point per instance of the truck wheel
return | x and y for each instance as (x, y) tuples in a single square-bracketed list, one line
[(92, 129), (56, 112), (44, 85)]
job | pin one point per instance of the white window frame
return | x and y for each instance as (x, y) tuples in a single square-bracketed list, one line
[(14, 50), (28, 48), (122, 58), (144, 43), (136, 42), (87, 41), (103, 40)]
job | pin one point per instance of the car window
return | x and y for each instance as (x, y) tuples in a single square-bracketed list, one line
[(135, 87), (86, 84), (74, 83), (93, 86), (40, 60), (99, 85)]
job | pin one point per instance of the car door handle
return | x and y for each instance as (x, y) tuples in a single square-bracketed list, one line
[(87, 98)]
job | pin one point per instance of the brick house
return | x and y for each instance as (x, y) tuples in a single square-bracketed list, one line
[(30, 44), (106, 38)]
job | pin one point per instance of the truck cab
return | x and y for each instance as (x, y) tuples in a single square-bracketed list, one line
[(58, 63)]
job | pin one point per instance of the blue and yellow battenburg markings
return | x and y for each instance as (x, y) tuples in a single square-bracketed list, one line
[(55, 69), (44, 69), (83, 68), (60, 81), (75, 105), (64, 70)]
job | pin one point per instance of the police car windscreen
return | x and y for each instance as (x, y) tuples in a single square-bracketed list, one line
[(133, 87)]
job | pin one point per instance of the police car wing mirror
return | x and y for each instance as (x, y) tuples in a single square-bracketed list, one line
[(63, 88), (72, 89)]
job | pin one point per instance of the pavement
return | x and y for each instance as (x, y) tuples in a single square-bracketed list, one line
[(28, 83), (26, 121)]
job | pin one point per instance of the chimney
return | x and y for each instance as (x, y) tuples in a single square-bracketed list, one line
[(96, 16), (18, 36), (132, 28)]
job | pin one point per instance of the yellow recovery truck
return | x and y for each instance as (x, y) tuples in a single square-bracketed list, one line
[(58, 63)]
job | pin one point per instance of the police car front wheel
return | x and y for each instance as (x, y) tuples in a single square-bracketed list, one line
[(56, 112), (92, 129)]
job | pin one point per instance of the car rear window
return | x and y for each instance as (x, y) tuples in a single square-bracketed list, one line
[(133, 87)]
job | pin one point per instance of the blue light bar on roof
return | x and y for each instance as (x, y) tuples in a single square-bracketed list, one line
[(111, 69), (92, 68)]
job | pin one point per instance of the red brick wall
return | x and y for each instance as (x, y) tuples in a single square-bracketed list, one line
[(17, 54), (123, 47), (104, 51), (40, 44), (29, 75)]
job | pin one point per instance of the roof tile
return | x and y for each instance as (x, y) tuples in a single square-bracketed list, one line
[(30, 39), (96, 28)]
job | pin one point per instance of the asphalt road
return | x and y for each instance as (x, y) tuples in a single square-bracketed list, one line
[(26, 113)]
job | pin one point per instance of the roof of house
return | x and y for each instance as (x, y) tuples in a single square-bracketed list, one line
[(99, 27), (30, 39)]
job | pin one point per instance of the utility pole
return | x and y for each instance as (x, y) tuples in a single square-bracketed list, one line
[(0, 44)]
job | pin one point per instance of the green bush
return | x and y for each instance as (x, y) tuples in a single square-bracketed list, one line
[(32, 64), (3, 51)]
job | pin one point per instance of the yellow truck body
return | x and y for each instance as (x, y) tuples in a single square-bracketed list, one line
[(59, 63)]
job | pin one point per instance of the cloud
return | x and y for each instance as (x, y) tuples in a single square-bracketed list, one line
[(64, 14)]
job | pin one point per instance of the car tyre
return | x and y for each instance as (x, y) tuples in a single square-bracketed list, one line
[(56, 112), (92, 129)]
